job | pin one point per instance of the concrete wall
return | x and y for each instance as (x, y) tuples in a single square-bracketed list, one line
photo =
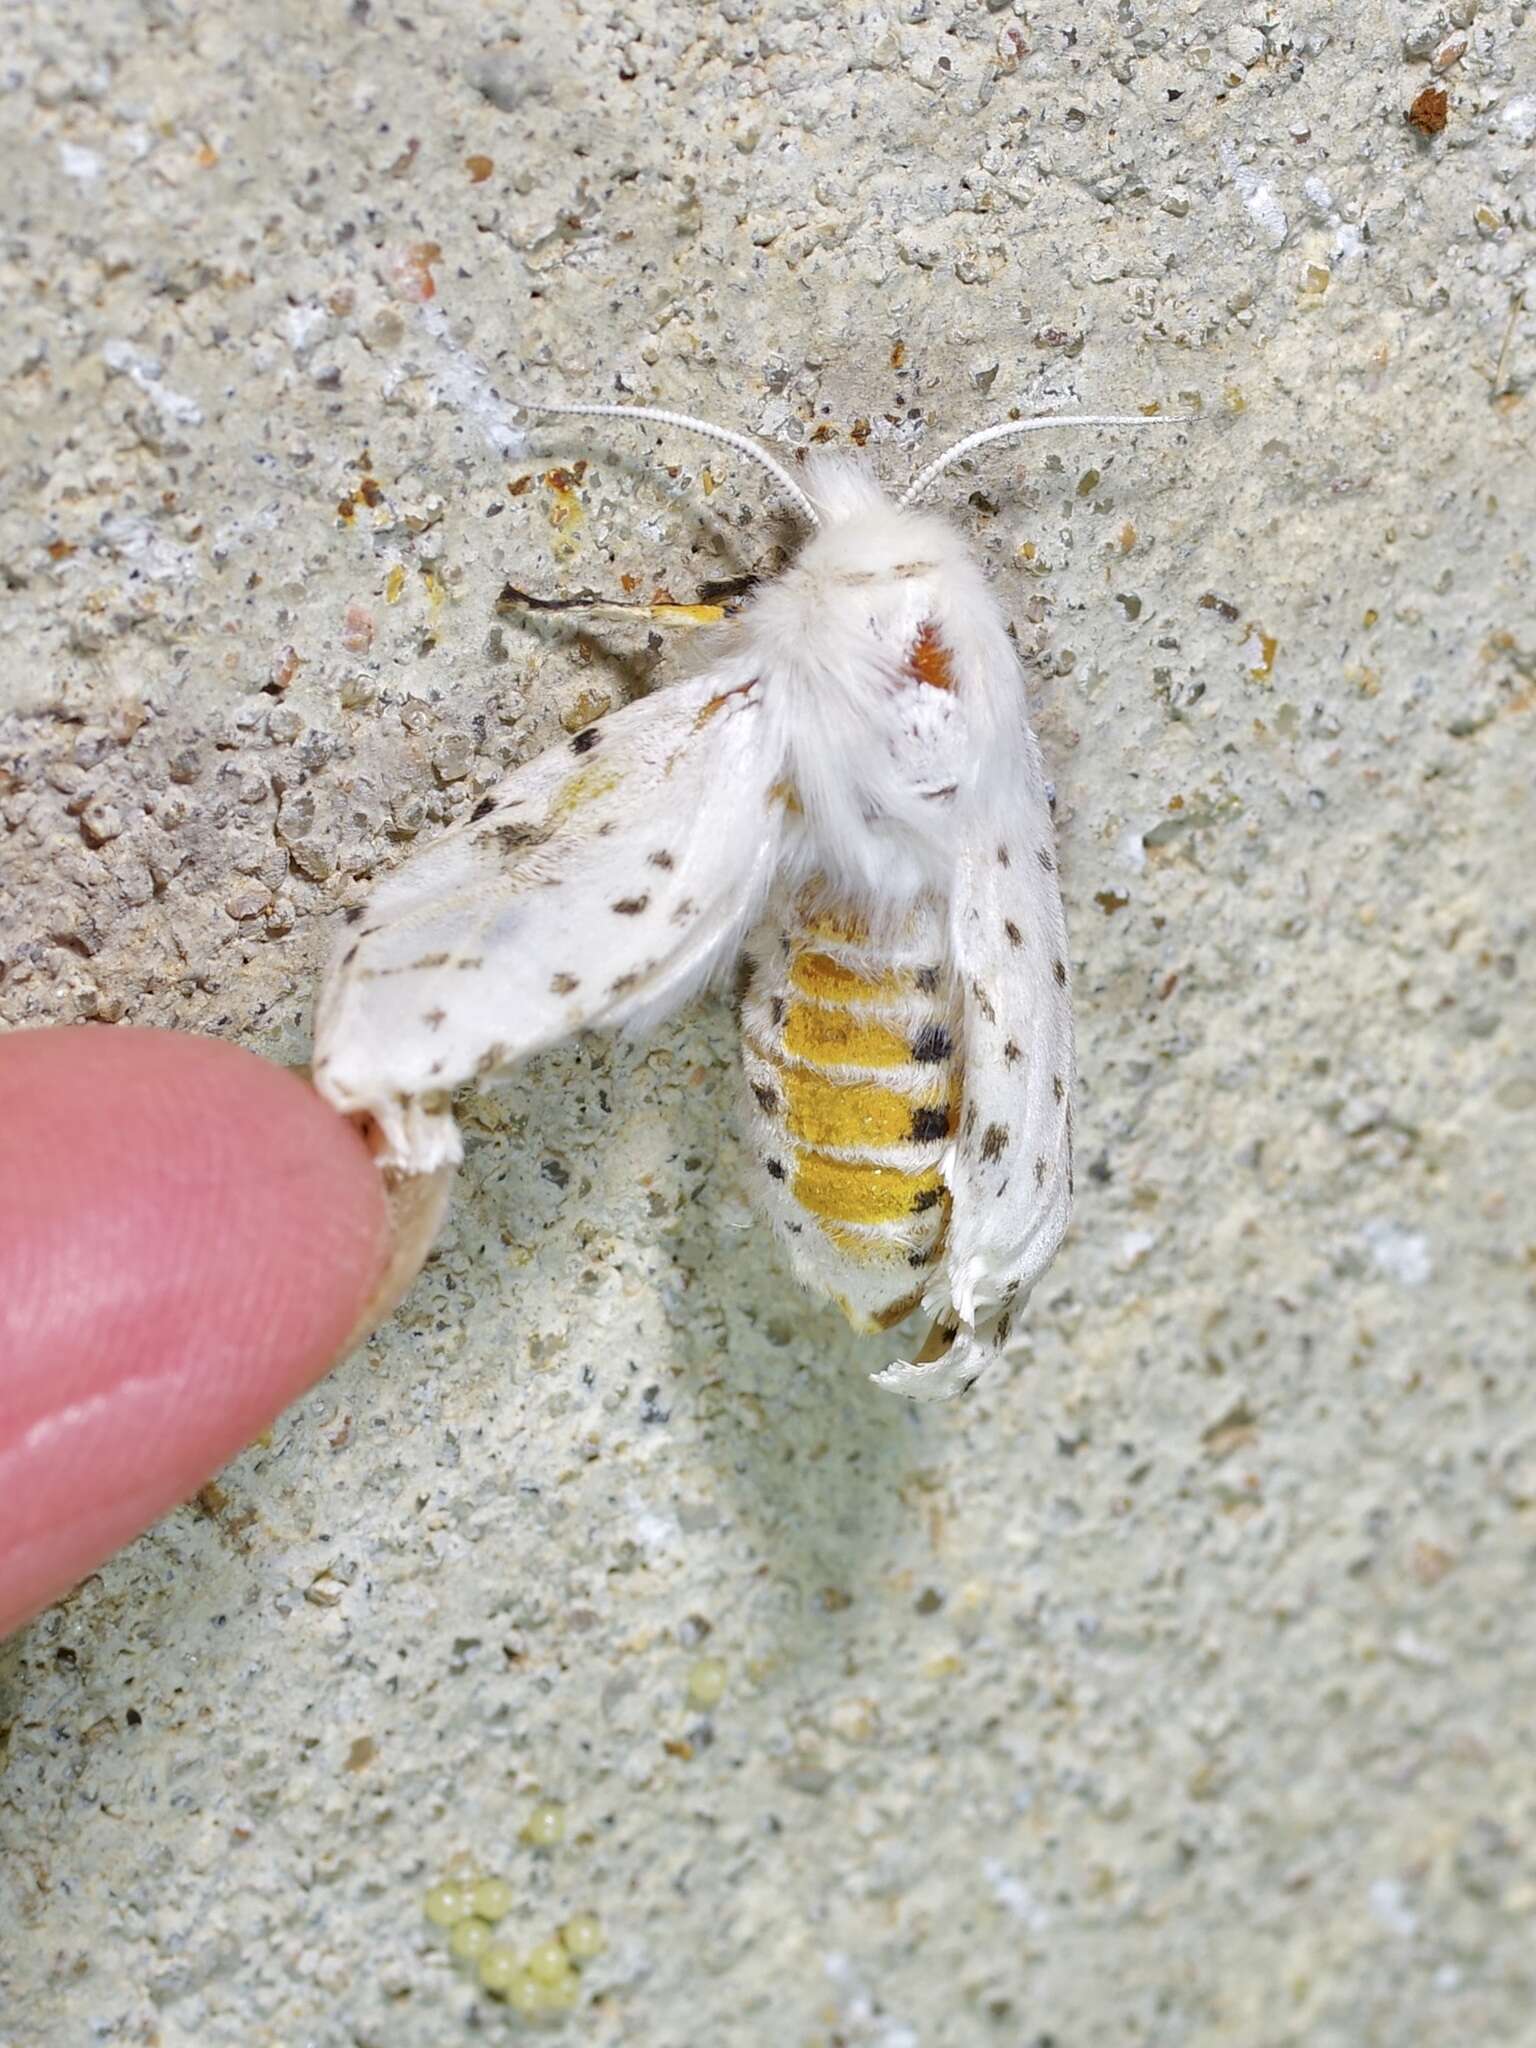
[(1177, 1688)]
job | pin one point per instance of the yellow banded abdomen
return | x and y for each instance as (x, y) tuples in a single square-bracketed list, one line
[(849, 1048)]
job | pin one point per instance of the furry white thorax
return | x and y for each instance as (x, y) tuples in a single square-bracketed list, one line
[(883, 766)]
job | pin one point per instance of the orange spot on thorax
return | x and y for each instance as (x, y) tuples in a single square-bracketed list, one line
[(929, 660)]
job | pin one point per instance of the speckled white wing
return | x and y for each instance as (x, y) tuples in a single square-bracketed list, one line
[(600, 883), (1011, 1173)]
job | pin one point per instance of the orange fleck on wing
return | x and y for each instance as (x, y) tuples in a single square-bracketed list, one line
[(929, 660), (707, 711), (584, 787)]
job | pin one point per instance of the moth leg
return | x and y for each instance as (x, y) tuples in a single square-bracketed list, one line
[(714, 602)]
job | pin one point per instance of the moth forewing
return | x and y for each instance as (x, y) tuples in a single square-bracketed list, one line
[(604, 879)]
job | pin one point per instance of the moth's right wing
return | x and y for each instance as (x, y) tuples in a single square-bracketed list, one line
[(1010, 1174), (599, 884)]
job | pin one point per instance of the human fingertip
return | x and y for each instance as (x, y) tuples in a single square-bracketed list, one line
[(189, 1238)]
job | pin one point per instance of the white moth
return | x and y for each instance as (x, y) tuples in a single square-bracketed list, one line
[(847, 805)]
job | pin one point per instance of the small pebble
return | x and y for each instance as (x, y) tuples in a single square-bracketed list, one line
[(1420, 42), (313, 857), (249, 899), (101, 821), (453, 758)]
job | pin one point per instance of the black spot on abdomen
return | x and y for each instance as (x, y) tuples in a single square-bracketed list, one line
[(928, 1124), (932, 1044)]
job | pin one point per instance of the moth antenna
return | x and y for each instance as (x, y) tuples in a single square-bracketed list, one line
[(740, 442), (1008, 429)]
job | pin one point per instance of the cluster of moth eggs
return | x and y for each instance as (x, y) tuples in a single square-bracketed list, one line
[(539, 1983)]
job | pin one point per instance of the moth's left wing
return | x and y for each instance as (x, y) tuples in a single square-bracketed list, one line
[(1010, 1175), (598, 885)]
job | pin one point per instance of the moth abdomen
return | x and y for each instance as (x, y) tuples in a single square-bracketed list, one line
[(853, 1094)]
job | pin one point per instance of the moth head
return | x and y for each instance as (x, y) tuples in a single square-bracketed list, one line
[(866, 538), (843, 488)]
